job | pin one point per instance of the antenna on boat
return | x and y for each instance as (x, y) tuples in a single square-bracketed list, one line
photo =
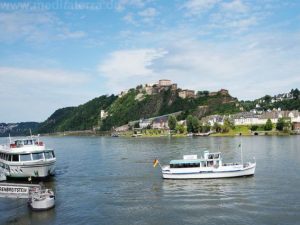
[(241, 146)]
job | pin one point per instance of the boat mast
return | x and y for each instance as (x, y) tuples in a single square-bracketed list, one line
[(9, 138), (241, 146), (31, 135)]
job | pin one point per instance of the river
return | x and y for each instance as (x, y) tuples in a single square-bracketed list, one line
[(105, 180)]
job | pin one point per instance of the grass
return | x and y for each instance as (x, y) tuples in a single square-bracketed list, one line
[(243, 130)]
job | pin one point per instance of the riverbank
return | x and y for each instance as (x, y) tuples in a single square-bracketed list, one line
[(237, 131)]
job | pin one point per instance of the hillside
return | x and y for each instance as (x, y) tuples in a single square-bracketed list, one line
[(134, 105), (130, 107), (284, 101), (83, 117), (17, 129)]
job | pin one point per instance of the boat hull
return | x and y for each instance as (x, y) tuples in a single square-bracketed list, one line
[(38, 170), (214, 174), (44, 204)]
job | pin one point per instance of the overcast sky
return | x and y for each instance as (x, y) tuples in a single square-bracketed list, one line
[(62, 54)]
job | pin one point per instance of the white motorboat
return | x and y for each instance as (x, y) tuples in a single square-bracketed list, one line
[(42, 199), (27, 157), (208, 166)]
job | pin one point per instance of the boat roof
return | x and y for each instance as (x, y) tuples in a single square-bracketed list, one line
[(24, 150), (180, 161), (24, 138)]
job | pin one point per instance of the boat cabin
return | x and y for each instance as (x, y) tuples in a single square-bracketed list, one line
[(190, 161), (25, 157), (25, 142)]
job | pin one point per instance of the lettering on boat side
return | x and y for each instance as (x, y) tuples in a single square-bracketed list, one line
[(7, 190)]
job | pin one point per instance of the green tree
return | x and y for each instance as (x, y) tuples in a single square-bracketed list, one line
[(227, 125), (268, 125), (205, 128), (253, 127), (189, 123), (217, 127), (196, 125), (280, 124), (180, 128), (295, 93), (172, 122), (267, 98)]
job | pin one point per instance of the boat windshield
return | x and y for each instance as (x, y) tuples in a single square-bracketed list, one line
[(25, 157), (49, 155), (37, 156)]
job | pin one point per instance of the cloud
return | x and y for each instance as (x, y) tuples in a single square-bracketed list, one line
[(122, 4), (122, 67), (129, 18), (145, 16), (250, 66), (228, 17), (34, 27), (34, 94), (32, 76), (148, 15), (235, 6), (195, 7), (149, 12)]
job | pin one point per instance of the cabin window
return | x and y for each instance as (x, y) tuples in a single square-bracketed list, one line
[(19, 143), (48, 155), (37, 156), (25, 157), (53, 155), (8, 158), (216, 156), (27, 142), (184, 165), (1, 155), (15, 158)]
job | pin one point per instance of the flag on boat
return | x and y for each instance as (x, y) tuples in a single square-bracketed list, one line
[(155, 162)]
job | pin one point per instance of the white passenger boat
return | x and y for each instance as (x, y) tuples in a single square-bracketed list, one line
[(208, 166), (27, 157)]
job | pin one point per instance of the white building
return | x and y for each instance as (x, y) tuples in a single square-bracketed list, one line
[(103, 114), (164, 82)]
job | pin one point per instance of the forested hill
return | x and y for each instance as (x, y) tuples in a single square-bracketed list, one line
[(17, 129), (83, 117), (136, 105), (133, 106), (285, 101)]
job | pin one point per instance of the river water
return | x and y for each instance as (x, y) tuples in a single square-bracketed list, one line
[(104, 180)]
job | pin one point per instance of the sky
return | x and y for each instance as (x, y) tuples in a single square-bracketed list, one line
[(61, 53)]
